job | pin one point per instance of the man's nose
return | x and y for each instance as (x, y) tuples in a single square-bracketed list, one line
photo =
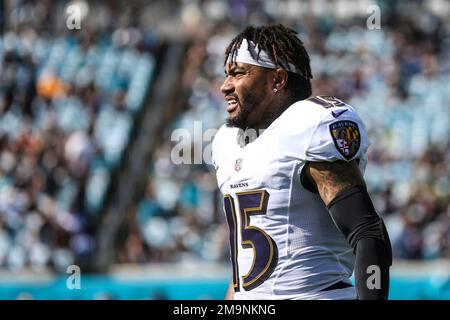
[(227, 86)]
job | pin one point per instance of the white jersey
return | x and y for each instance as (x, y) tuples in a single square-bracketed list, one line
[(284, 244)]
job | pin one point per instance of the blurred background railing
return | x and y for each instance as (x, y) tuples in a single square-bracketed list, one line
[(168, 281)]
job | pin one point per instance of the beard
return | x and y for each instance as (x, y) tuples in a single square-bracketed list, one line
[(239, 121), (251, 102)]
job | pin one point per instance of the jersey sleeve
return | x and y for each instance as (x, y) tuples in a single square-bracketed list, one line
[(339, 135)]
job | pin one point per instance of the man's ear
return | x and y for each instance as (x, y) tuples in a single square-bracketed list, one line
[(280, 79)]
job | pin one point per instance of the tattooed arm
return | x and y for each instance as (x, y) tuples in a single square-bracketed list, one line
[(343, 190), (331, 178)]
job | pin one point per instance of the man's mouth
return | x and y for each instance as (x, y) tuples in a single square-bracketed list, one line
[(232, 104)]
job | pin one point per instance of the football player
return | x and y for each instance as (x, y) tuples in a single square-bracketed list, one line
[(290, 168)]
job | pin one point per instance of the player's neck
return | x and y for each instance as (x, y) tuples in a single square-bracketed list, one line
[(278, 107)]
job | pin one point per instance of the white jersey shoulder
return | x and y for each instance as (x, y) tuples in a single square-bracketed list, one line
[(224, 140), (323, 131)]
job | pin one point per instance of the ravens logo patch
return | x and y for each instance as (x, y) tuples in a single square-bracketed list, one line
[(346, 137)]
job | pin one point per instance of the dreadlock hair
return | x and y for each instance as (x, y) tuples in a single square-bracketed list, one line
[(283, 46)]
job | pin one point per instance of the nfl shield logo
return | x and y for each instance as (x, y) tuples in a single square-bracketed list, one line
[(238, 165)]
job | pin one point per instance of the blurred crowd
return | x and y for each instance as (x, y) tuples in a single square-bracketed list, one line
[(396, 77), (68, 101)]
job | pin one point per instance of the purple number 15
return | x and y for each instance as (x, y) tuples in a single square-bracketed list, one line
[(265, 251)]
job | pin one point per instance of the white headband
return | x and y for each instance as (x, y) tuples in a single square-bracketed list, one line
[(243, 55)]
